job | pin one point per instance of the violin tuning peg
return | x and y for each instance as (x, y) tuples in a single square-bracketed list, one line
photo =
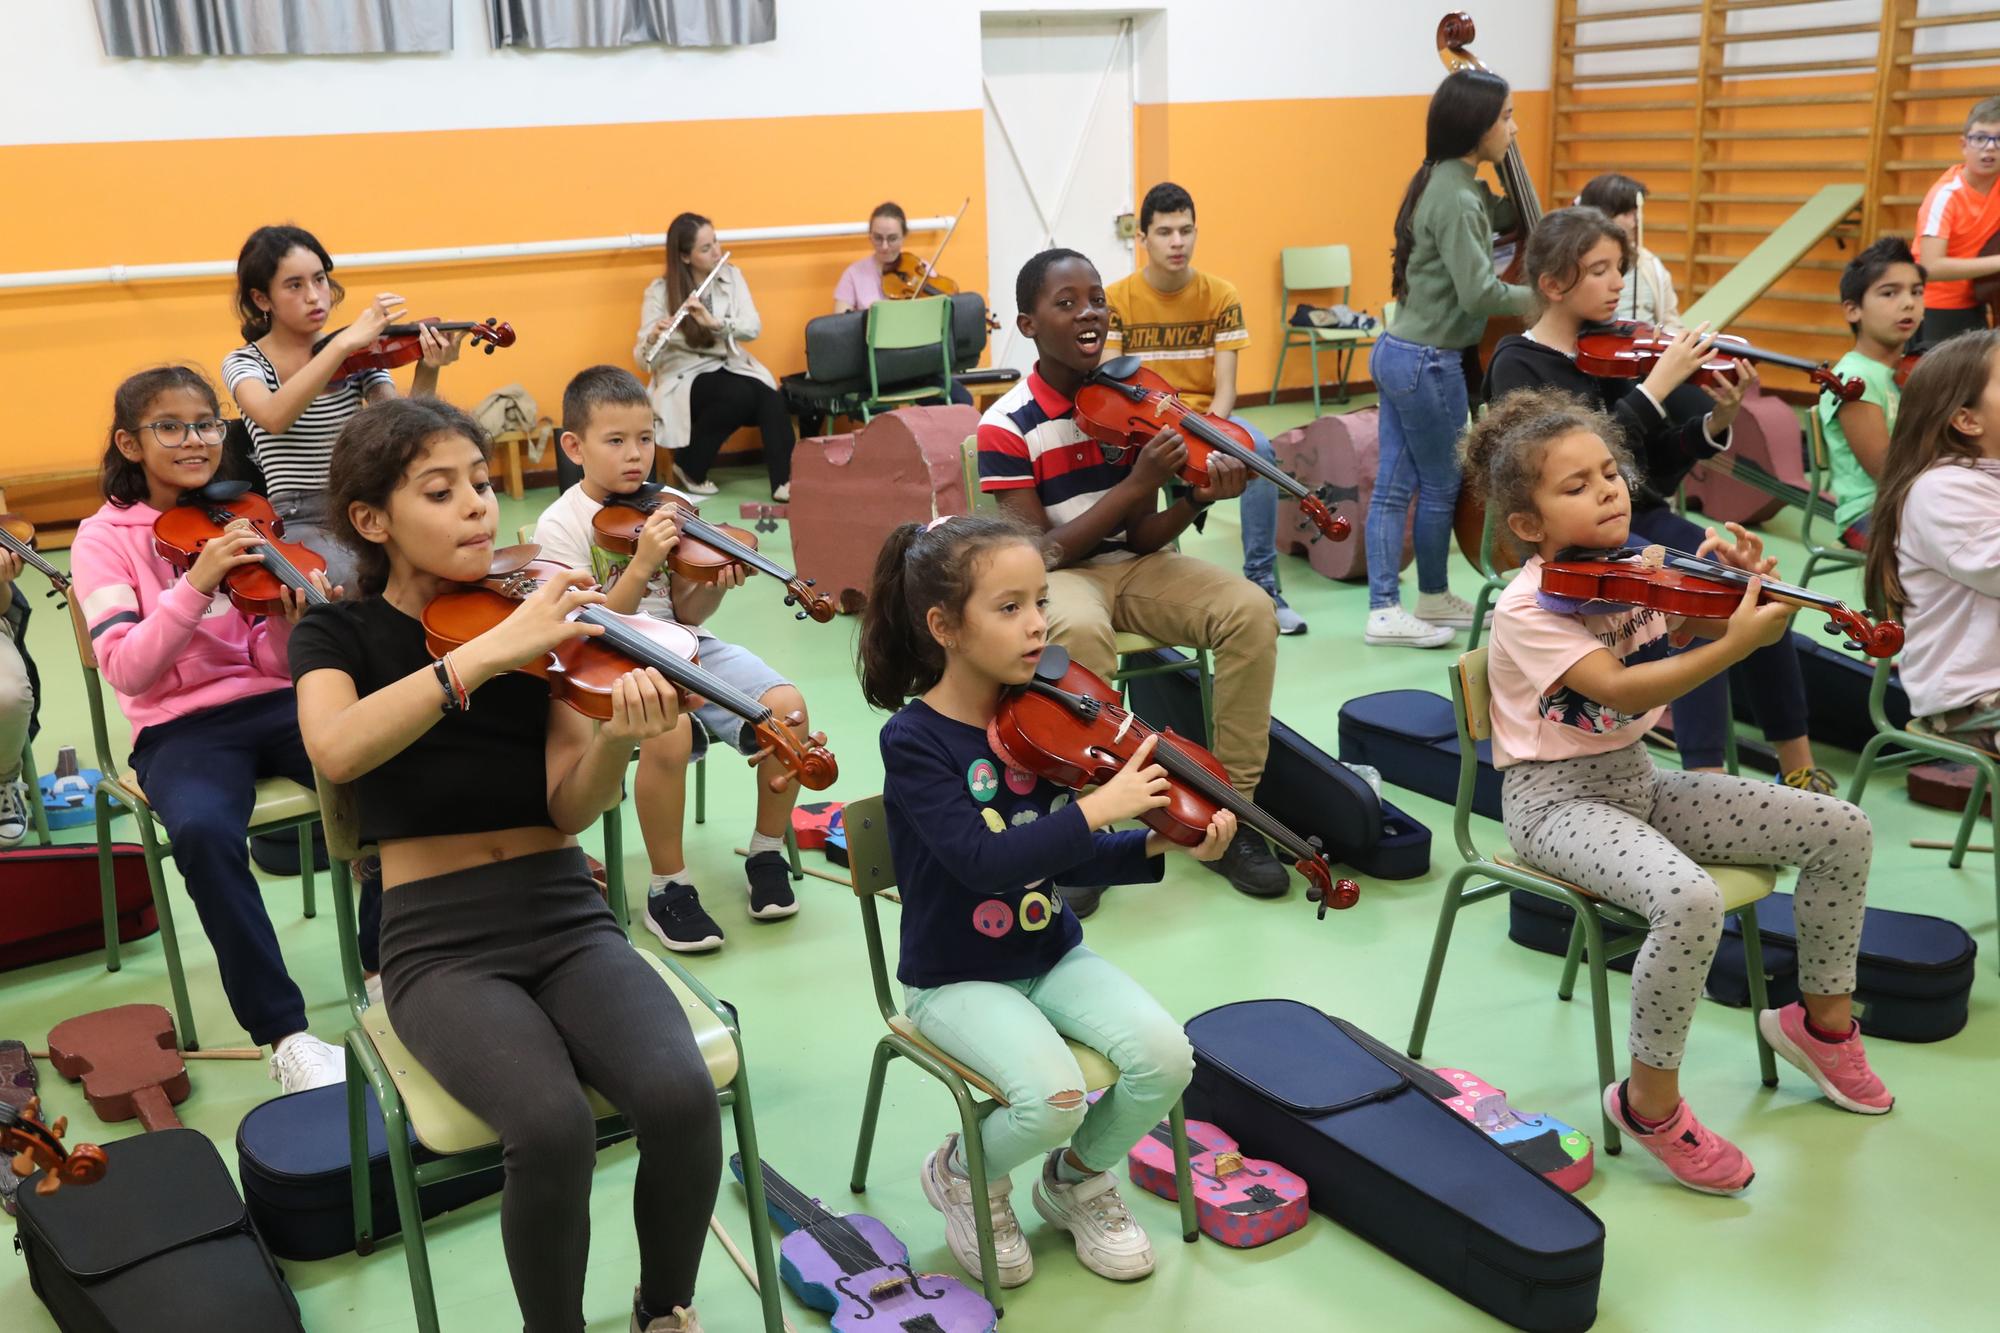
[(59, 1126), (23, 1163), (801, 616)]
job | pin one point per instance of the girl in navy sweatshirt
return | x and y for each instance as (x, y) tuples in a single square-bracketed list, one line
[(993, 964)]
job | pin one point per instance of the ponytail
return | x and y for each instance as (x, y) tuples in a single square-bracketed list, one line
[(1466, 105)]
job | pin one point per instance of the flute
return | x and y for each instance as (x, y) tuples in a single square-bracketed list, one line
[(681, 314)]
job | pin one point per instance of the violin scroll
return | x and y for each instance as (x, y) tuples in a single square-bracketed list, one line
[(1876, 640), (36, 1146), (1332, 526), (809, 761), (812, 605), (1456, 31), (1846, 390)]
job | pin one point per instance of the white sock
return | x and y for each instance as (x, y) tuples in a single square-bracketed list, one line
[(1064, 1172), (764, 842), (661, 882), (956, 1162)]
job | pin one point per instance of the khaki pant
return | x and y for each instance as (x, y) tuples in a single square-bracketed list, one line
[(17, 702), (1181, 601)]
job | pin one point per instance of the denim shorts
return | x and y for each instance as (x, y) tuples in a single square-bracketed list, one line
[(737, 666)]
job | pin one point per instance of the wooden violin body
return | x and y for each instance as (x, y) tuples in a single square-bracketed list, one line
[(1630, 351), (1122, 403), (1068, 726), (33, 1146), (705, 552), (402, 344), (17, 535), (906, 280), (257, 590)]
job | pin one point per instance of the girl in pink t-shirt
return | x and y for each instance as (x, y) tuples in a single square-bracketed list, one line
[(1573, 692)]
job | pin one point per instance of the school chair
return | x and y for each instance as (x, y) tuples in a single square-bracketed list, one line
[(1127, 646), (1918, 743), (32, 780), (1484, 877), (1318, 268), (875, 877), (896, 326), (413, 1103), (280, 804), (1819, 471)]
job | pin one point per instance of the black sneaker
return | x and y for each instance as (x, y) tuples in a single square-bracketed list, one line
[(1083, 901), (677, 919), (770, 879), (1249, 865)]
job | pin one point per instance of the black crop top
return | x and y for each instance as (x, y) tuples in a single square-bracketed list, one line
[(471, 772)]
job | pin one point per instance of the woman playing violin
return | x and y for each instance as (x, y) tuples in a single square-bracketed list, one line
[(498, 953), (860, 283), (286, 376)]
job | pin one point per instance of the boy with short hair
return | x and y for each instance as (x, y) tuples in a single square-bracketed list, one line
[(608, 432), (1882, 299), (1960, 214), (1187, 327)]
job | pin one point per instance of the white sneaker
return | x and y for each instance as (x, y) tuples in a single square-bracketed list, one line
[(13, 813), (302, 1062), (1109, 1241), (1393, 627), (690, 485), (951, 1194), (1447, 608), (782, 494)]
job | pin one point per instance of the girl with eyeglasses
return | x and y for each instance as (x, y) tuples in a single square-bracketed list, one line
[(286, 381), (207, 689)]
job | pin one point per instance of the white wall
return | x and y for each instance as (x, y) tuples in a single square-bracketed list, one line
[(57, 86)]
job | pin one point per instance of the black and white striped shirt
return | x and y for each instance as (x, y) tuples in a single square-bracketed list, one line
[(298, 459)]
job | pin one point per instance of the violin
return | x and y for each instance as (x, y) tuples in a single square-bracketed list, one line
[(583, 672), (1122, 403), (1906, 365), (1684, 585), (908, 279), (257, 590), (401, 345), (17, 535), (1630, 351), (38, 1147), (1065, 724), (854, 1269), (705, 549)]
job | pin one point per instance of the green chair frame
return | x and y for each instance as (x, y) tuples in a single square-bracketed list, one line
[(900, 326), (1819, 468), (1919, 745), (366, 1071), (38, 813), (1482, 877), (115, 791), (1317, 268), (875, 877)]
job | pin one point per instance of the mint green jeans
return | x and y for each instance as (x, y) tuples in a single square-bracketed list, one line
[(1012, 1032)]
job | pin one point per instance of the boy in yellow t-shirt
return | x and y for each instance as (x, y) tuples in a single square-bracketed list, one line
[(1187, 327)]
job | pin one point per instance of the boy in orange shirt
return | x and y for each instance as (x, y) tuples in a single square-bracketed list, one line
[(1187, 327), (1960, 214)]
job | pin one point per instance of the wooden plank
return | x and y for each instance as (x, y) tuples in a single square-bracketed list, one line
[(1706, 87), (1774, 256), (1797, 99), (1949, 57), (1969, 94), (1786, 35), (1639, 76), (1624, 136), (1781, 133), (1810, 298), (1891, 78), (1798, 67), (1570, 20), (1920, 164), (1802, 330), (1651, 44), (1926, 129), (1810, 265), (1953, 20), (1901, 200), (1841, 164), (1561, 71), (1614, 108), (1734, 5), (1735, 229), (1625, 166)]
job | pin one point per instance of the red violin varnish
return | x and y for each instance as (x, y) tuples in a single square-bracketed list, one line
[(1067, 725), (1679, 584), (1630, 351), (401, 344), (33, 1146), (257, 590), (583, 672), (705, 549), (1123, 403)]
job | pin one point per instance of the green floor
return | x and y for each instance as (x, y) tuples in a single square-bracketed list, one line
[(1851, 1223)]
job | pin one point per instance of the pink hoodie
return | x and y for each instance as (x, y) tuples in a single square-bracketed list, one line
[(166, 649)]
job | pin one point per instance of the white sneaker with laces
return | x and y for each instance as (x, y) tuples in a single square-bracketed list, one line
[(1447, 608), (1109, 1240), (781, 493), (1393, 627), (302, 1062), (951, 1194), (13, 812)]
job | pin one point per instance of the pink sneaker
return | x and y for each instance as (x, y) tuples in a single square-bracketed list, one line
[(1839, 1067), (1693, 1154)]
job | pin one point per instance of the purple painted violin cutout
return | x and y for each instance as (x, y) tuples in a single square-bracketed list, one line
[(852, 1267)]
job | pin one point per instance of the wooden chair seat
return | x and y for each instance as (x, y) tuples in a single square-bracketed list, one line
[(1098, 1072), (1740, 885), (279, 800), (1126, 642)]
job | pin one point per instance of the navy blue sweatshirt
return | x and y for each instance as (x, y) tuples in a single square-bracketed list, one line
[(981, 851)]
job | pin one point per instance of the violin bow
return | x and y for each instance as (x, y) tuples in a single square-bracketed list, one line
[(681, 314), (929, 266)]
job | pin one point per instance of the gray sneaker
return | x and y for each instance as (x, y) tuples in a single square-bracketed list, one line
[(1289, 621)]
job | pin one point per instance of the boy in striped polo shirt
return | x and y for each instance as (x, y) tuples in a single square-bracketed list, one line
[(1115, 570)]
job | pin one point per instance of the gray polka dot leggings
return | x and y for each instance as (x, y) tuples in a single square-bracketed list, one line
[(1632, 834)]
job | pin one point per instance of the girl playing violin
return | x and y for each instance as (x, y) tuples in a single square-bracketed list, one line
[(1933, 544), (499, 956), (1649, 296), (993, 966), (207, 690), (704, 386), (1577, 262), (1572, 696), (286, 385)]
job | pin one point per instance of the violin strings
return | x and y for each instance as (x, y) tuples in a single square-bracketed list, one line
[(29, 556), (694, 525), (844, 1245), (686, 674)]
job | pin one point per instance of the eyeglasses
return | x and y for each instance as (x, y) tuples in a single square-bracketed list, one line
[(1983, 140), (879, 239), (170, 432)]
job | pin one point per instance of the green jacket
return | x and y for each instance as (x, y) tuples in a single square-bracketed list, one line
[(1452, 286)]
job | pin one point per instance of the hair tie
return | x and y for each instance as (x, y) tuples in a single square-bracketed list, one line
[(939, 522)]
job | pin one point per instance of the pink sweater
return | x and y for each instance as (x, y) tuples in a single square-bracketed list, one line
[(1949, 559), (167, 650)]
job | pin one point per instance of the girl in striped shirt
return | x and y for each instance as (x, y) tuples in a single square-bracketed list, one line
[(285, 377)]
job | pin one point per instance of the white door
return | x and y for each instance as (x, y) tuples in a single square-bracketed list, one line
[(1059, 150)]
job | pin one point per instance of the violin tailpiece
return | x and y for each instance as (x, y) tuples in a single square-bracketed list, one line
[(1654, 557)]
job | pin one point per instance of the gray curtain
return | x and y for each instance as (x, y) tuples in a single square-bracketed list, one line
[(563, 24), (272, 27)]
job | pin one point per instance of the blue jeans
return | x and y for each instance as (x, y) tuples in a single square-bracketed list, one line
[(1424, 408), (1260, 519)]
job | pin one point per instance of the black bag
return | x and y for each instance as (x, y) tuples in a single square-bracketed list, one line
[(279, 852), (1394, 1165), (1308, 790), (1411, 737), (162, 1243), (837, 347), (292, 1156), (1836, 695)]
